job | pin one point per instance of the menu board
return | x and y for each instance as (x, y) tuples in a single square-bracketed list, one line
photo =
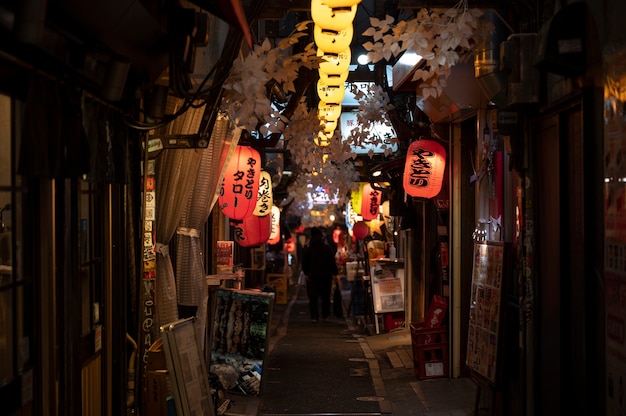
[(486, 307)]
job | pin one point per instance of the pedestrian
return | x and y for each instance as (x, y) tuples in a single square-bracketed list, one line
[(318, 264)]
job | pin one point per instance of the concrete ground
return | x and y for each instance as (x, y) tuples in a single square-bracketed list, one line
[(337, 368)]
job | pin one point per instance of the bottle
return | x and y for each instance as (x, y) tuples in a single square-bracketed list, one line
[(392, 252)]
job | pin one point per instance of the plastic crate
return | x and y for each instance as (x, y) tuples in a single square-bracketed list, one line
[(430, 351), (393, 320)]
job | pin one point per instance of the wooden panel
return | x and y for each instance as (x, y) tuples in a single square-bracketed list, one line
[(91, 382)]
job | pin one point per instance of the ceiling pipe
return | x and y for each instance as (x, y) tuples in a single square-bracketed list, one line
[(487, 71)]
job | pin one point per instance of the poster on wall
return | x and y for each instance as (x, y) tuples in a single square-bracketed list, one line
[(240, 338), (224, 260), (615, 233), (486, 297)]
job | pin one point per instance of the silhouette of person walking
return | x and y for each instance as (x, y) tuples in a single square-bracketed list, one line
[(318, 264)]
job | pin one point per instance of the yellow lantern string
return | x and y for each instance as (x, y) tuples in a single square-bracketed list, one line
[(332, 41), (335, 18)]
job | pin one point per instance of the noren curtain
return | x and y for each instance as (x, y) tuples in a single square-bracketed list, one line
[(190, 271), (176, 174)]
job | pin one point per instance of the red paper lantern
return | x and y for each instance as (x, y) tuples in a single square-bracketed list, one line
[(240, 187), (360, 230), (337, 235), (252, 230), (424, 168), (370, 202)]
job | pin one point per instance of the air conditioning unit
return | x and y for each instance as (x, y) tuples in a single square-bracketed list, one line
[(517, 54)]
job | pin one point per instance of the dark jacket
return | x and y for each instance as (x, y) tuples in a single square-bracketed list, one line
[(318, 260)]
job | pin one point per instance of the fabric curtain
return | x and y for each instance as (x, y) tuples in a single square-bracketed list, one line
[(191, 282), (176, 174)]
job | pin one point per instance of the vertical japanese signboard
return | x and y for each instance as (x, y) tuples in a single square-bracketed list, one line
[(615, 232), (486, 309)]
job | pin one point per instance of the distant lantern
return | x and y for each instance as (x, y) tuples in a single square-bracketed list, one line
[(265, 198), (290, 245), (275, 225), (356, 198), (332, 41), (240, 186), (337, 235), (336, 18), (424, 168), (252, 230), (351, 217), (360, 230), (370, 202)]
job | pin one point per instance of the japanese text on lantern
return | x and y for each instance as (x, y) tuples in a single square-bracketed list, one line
[(420, 168)]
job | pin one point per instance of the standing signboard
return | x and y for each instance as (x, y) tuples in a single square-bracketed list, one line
[(486, 310), (615, 233)]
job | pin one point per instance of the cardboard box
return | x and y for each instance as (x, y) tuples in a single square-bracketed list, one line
[(156, 393), (156, 356)]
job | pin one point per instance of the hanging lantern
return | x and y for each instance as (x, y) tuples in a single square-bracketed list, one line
[(335, 18), (240, 186), (356, 198), (265, 198), (340, 3), (330, 93), (329, 126), (370, 202), (351, 217), (252, 230), (334, 62), (333, 78), (424, 168), (323, 139), (328, 111), (360, 230), (275, 225), (332, 41)]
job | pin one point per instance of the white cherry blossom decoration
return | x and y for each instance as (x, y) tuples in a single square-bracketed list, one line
[(374, 103), (442, 37), (246, 99)]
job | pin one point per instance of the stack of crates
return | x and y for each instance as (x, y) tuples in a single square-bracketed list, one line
[(430, 351)]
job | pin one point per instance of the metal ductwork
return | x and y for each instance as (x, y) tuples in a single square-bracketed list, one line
[(460, 98), (487, 69)]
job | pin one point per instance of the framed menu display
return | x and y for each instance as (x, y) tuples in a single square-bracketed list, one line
[(486, 309), (388, 286), (188, 373)]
